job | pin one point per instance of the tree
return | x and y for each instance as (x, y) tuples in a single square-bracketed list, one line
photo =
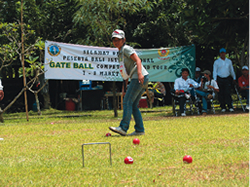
[(102, 17), (10, 32), (216, 24), (51, 20)]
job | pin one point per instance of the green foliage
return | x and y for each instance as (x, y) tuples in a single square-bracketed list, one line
[(163, 26), (209, 24), (34, 67), (215, 24), (11, 50), (101, 17)]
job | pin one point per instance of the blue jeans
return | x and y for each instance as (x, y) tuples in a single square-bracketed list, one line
[(204, 99), (130, 104)]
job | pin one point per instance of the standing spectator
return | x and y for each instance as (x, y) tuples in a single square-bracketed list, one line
[(207, 87), (222, 70), (198, 75), (184, 85), (130, 67), (243, 82)]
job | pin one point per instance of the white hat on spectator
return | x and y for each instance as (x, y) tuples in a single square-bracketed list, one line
[(197, 69), (245, 67)]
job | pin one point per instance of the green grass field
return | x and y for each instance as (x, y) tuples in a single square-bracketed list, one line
[(46, 150)]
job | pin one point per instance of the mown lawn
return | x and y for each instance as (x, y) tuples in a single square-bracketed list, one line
[(46, 150)]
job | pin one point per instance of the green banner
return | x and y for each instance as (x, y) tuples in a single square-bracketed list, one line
[(165, 64)]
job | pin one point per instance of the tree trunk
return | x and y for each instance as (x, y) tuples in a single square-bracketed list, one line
[(45, 92), (37, 104), (46, 98), (1, 116)]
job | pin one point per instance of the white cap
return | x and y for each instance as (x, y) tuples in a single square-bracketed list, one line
[(245, 67), (197, 69), (118, 34)]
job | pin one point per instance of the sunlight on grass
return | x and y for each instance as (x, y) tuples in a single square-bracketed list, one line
[(46, 151)]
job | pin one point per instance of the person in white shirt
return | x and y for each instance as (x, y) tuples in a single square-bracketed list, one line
[(207, 87), (184, 85), (222, 73)]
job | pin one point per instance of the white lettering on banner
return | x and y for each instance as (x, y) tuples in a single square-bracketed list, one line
[(78, 62)]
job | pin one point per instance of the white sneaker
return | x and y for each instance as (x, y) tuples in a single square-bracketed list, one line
[(183, 114), (223, 110), (231, 109), (136, 133), (187, 96), (247, 107), (118, 130)]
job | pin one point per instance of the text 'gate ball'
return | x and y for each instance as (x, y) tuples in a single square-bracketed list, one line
[(187, 159), (108, 134), (136, 141), (128, 160)]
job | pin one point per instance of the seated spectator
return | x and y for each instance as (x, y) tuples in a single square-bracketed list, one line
[(243, 82), (198, 75), (183, 86), (206, 90)]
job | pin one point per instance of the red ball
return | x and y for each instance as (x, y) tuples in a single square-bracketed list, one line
[(187, 159), (108, 134), (128, 160), (136, 141)]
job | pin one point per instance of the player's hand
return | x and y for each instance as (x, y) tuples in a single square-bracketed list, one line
[(209, 86), (141, 78)]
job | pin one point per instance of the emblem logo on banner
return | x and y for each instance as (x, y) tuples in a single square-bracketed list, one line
[(54, 50), (163, 52)]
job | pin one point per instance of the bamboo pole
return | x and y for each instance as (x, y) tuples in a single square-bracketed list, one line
[(114, 100), (22, 61)]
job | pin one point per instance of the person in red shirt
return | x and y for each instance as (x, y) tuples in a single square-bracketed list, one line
[(243, 82)]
